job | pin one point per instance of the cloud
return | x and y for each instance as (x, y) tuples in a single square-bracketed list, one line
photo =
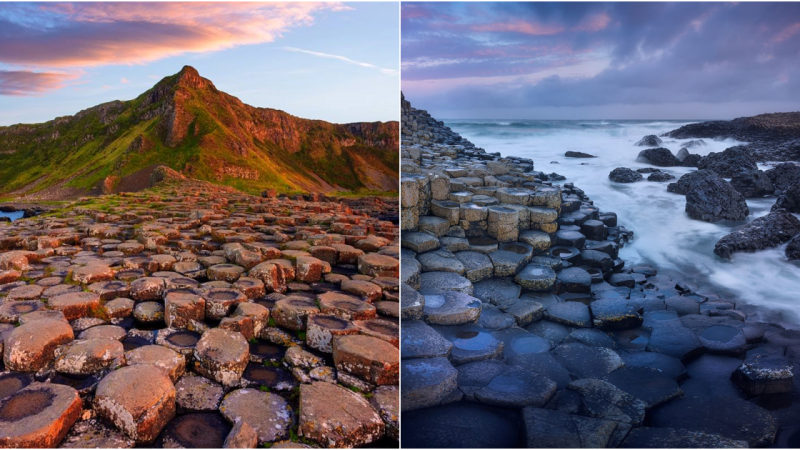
[(341, 58), (25, 82), (124, 81), (69, 35)]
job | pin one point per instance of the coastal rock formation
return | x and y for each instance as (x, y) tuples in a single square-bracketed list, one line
[(691, 181), (522, 325), (784, 175), (650, 140), (789, 199), (191, 315), (729, 162), (768, 231), (572, 154), (624, 175), (661, 157), (714, 199), (753, 184)]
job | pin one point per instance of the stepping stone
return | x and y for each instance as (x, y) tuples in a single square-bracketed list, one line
[(723, 340), (370, 292), (222, 355), (553, 332), (525, 311), (587, 362), (516, 389), (386, 401), (268, 414), (441, 261), (419, 242), (196, 394), (545, 428), (647, 437), (335, 417), (412, 303), (195, 430), (730, 417), (517, 341), (147, 288), (293, 312), (652, 319), (541, 365), (181, 308), (220, 302), (426, 382), (497, 291), (346, 306), (573, 314), (38, 416), (477, 266), (471, 343), (182, 341), (76, 304), (119, 308), (32, 346), (682, 305), (764, 374), (92, 274), (614, 314), (451, 308), (668, 365), (574, 279), (376, 265), (241, 435), (109, 290), (536, 278), (492, 318), (172, 363), (309, 269), (371, 359), (539, 240), (149, 313), (602, 400), (29, 292), (250, 287), (12, 311), (673, 339), (274, 378), (421, 341), (591, 337), (94, 433), (321, 329), (476, 375), (89, 356), (225, 272), (438, 282), (138, 400), (507, 263), (271, 274), (651, 386), (382, 329)]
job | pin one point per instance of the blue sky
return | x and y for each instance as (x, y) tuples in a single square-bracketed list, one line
[(613, 60), (335, 62)]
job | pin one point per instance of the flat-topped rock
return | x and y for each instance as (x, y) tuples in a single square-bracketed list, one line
[(76, 304), (172, 363), (222, 356), (536, 278), (451, 308), (438, 282), (268, 414), (368, 358), (426, 382), (336, 417), (32, 346), (545, 428), (89, 356)]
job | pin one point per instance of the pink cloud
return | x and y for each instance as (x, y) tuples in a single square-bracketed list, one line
[(593, 23), (95, 34), (530, 28), (25, 82), (787, 33)]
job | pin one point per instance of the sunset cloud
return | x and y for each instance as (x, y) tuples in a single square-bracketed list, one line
[(341, 58), (95, 34), (25, 82)]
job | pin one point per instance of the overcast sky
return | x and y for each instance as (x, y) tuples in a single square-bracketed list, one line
[(330, 61), (601, 60)]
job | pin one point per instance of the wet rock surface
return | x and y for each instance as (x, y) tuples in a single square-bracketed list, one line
[(189, 315), (590, 352)]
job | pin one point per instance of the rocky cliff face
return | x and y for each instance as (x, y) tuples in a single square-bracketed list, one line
[(186, 123)]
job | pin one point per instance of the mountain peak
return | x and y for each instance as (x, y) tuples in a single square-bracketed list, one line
[(190, 77)]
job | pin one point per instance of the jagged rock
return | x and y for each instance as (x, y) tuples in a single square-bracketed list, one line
[(789, 199), (660, 176), (793, 249), (753, 184), (650, 140), (661, 157), (768, 231), (729, 162), (714, 199), (624, 175), (553, 429), (784, 175), (691, 181)]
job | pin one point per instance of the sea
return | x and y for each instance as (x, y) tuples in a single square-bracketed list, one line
[(664, 236), (12, 215)]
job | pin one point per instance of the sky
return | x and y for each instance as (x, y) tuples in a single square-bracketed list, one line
[(601, 60), (337, 62)]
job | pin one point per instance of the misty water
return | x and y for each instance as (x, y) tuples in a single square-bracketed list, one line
[(664, 236)]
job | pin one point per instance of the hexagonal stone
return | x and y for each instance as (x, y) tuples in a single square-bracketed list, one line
[(614, 314), (75, 305), (516, 388), (651, 386), (336, 417), (31, 346), (386, 401), (195, 430), (471, 343), (673, 339), (536, 278), (28, 292), (138, 400), (451, 308), (438, 282), (426, 382), (477, 266), (574, 314), (182, 307), (12, 311), (196, 394), (92, 273), (419, 242), (220, 302), (525, 311), (225, 272), (94, 433), (172, 363), (440, 260), (421, 341), (539, 240), (602, 400), (268, 414), (545, 428), (321, 329), (345, 306), (251, 287), (376, 265), (382, 329), (368, 358), (222, 356), (147, 288), (89, 356), (259, 314), (119, 308), (587, 362), (764, 374), (364, 289), (647, 437), (293, 312), (38, 416)]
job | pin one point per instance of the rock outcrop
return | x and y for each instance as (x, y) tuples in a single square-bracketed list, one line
[(768, 231)]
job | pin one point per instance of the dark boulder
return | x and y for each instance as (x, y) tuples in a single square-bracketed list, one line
[(729, 162), (753, 184), (691, 161), (695, 143), (714, 199), (784, 175), (661, 157), (624, 175), (578, 155), (690, 181), (648, 170), (682, 154), (768, 231), (650, 140), (789, 199), (660, 176), (793, 249)]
